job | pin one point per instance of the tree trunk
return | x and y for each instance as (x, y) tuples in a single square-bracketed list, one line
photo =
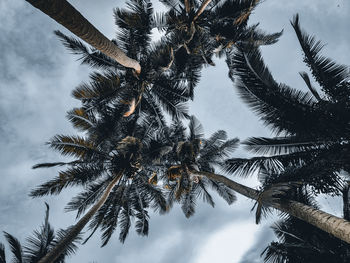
[(331, 224), (78, 227), (65, 14), (346, 201)]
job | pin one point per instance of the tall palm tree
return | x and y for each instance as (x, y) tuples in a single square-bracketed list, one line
[(313, 143), (65, 14), (192, 151), (114, 172), (152, 90), (314, 129), (195, 30), (302, 242), (37, 245), (192, 161)]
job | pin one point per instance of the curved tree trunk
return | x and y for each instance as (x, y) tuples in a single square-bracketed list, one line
[(78, 227), (65, 14), (331, 224)]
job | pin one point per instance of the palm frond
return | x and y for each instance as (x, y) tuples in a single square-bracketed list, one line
[(124, 222), (246, 167), (226, 193), (88, 197), (80, 119), (102, 87), (160, 21), (74, 146), (90, 57), (15, 247), (47, 165), (331, 76), (2, 253), (79, 175), (204, 192), (282, 145), (279, 106), (195, 128), (188, 203), (270, 195), (70, 248), (39, 244), (108, 215)]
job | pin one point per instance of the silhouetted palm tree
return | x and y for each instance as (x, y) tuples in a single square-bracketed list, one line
[(191, 151), (114, 172), (313, 146), (196, 30), (41, 242), (151, 90)]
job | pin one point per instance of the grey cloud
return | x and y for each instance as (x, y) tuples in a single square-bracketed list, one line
[(37, 75)]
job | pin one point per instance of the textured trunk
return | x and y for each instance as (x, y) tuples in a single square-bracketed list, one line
[(78, 227), (65, 14), (331, 224), (201, 9)]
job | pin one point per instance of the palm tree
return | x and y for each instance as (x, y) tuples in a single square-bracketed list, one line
[(38, 245), (111, 158), (192, 151), (150, 91), (276, 196), (195, 30), (302, 242), (65, 14), (313, 143), (313, 128), (191, 163), (114, 172)]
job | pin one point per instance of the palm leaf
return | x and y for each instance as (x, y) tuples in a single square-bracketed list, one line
[(102, 86), (331, 76), (2, 253), (271, 194), (80, 119), (74, 146), (196, 129), (90, 57), (279, 106), (282, 145), (15, 247), (188, 203), (39, 244)]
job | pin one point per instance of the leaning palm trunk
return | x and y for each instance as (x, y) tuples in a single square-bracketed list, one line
[(331, 224), (76, 229), (65, 14)]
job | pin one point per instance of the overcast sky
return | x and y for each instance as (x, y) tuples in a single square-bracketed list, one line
[(37, 76)]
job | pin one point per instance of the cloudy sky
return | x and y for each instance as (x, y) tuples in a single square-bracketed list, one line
[(37, 76)]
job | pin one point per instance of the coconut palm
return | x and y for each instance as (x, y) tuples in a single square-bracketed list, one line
[(302, 242), (196, 30), (152, 90), (114, 172), (313, 129), (37, 245), (191, 151)]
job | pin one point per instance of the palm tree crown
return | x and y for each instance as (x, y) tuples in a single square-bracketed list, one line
[(313, 144), (37, 245)]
